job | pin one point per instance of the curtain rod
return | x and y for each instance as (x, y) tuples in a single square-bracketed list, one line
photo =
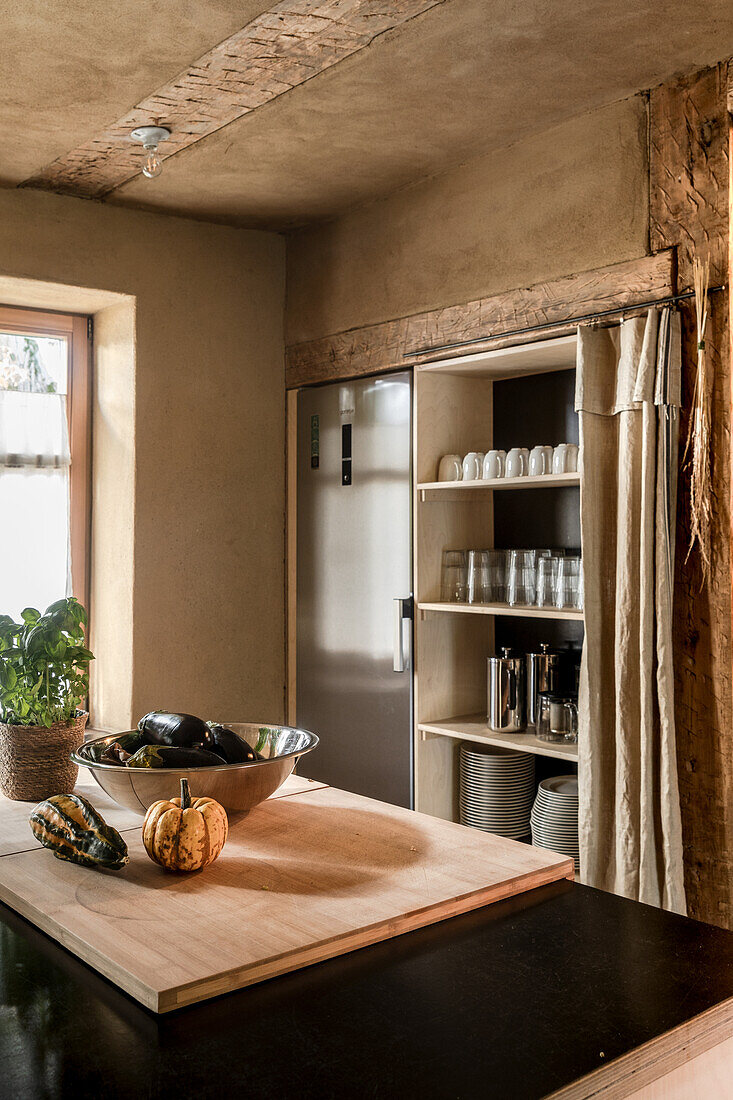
[(618, 310)]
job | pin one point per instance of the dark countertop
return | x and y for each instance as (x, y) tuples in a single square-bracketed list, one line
[(511, 1001)]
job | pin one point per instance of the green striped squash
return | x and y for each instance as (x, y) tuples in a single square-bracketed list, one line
[(73, 830)]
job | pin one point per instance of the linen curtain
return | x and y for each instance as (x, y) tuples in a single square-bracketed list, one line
[(628, 397), (35, 553)]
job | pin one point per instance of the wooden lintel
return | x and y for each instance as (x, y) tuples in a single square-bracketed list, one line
[(398, 343)]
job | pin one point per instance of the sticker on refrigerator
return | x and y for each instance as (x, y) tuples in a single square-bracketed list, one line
[(346, 454), (315, 443)]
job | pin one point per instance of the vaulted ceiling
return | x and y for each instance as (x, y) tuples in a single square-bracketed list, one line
[(286, 113)]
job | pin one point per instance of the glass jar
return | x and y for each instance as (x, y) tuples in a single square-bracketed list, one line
[(557, 718)]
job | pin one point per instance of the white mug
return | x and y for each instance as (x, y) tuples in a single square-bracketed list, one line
[(537, 462), (548, 459), (450, 468), (494, 465), (525, 452), (516, 463), (472, 467), (571, 464), (560, 458)]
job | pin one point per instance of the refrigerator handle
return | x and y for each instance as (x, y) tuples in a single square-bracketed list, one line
[(403, 609)]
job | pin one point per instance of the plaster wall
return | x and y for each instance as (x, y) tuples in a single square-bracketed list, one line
[(570, 199), (188, 537), (113, 517)]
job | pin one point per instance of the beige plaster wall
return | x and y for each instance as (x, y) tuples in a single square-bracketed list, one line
[(206, 609), (570, 199), (113, 516)]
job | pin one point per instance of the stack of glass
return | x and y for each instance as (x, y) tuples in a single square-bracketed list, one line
[(518, 578)]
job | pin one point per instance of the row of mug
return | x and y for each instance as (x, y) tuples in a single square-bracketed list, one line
[(518, 462), (518, 578)]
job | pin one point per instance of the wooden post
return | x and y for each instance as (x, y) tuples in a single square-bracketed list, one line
[(689, 197)]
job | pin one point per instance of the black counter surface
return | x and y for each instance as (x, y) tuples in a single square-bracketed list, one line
[(512, 1001)]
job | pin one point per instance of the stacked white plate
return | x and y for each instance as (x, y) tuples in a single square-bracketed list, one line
[(555, 816), (496, 789)]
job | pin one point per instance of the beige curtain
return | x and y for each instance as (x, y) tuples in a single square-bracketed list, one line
[(627, 395)]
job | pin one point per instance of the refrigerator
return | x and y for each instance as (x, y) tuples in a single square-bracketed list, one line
[(353, 676)]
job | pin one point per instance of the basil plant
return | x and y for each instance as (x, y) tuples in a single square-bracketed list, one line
[(44, 665)]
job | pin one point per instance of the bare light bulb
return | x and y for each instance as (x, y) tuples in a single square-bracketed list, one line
[(150, 138), (152, 165)]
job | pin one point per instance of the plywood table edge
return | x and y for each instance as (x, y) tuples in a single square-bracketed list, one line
[(645, 1064), (78, 947), (241, 977)]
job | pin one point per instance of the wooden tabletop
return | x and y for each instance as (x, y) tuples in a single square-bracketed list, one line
[(305, 876)]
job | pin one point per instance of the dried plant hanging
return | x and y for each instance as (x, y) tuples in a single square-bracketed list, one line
[(699, 431)]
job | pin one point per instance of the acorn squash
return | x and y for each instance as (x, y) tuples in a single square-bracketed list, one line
[(184, 834), (75, 831)]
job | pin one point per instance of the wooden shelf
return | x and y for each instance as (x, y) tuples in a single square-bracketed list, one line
[(524, 612), (539, 357), (441, 490), (473, 727)]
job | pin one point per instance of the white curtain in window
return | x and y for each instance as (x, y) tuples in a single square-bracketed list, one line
[(628, 394), (35, 552)]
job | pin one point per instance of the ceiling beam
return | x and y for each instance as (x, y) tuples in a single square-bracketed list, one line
[(397, 343), (279, 50)]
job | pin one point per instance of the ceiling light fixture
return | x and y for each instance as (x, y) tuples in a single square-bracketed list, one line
[(150, 137)]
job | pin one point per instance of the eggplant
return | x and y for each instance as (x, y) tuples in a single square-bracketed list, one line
[(173, 756), (179, 730), (233, 748)]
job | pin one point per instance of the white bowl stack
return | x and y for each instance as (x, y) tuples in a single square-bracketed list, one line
[(555, 817), (496, 790)]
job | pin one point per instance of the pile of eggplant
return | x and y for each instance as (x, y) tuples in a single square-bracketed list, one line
[(178, 741)]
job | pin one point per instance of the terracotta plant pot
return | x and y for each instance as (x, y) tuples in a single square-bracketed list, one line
[(34, 760)]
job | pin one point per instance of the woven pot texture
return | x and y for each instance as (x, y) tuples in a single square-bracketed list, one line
[(34, 760)]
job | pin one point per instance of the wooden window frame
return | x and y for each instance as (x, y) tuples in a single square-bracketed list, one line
[(76, 330)]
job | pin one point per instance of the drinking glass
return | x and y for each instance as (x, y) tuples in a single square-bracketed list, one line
[(477, 575), (569, 583), (495, 591), (547, 566), (453, 576), (522, 577), (557, 719)]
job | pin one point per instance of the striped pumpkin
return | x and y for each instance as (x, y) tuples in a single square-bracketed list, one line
[(185, 834), (74, 831)]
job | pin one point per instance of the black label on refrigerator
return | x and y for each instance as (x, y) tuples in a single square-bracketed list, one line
[(346, 454), (315, 442)]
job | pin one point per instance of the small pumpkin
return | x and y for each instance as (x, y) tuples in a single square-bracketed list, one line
[(185, 835), (75, 831)]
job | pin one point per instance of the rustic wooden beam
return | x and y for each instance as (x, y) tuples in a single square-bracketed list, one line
[(689, 194), (384, 346), (280, 49)]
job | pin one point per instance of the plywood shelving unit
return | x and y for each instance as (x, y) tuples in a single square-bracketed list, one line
[(453, 414), (437, 490), (473, 727), (567, 614)]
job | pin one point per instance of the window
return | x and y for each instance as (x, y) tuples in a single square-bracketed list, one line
[(45, 490)]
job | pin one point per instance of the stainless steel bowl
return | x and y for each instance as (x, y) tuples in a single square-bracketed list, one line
[(238, 787)]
